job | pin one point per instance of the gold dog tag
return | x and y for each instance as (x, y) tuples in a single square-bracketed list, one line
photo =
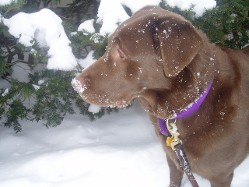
[(174, 139)]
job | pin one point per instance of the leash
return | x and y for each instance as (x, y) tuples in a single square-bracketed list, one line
[(175, 143), (169, 129), (185, 165)]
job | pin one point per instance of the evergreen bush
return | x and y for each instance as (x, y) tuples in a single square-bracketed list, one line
[(47, 96)]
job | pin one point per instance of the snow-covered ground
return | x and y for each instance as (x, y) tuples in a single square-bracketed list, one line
[(120, 149)]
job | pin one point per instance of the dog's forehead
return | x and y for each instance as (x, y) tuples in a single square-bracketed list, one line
[(139, 34), (137, 22), (146, 18), (133, 26)]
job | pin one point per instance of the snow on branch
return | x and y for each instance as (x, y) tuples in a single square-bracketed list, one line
[(46, 28), (199, 6), (6, 2)]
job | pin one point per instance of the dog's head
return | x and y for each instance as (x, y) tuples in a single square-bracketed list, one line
[(144, 55)]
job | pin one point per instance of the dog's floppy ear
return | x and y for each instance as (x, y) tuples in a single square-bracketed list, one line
[(179, 43)]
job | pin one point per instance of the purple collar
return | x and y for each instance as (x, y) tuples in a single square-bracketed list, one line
[(188, 111)]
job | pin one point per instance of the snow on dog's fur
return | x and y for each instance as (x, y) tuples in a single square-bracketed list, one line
[(160, 58)]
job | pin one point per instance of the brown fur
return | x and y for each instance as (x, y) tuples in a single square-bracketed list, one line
[(161, 59)]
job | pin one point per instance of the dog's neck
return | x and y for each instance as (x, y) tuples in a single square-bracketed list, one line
[(186, 88), (175, 105), (194, 106)]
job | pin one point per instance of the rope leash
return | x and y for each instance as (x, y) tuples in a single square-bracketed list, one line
[(169, 129)]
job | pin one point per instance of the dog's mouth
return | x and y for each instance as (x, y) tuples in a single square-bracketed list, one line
[(102, 100), (121, 104), (105, 101)]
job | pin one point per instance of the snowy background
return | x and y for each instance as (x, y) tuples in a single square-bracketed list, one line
[(117, 150)]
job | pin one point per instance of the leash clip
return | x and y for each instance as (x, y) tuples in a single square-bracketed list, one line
[(174, 139)]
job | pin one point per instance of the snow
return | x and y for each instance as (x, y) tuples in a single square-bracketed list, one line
[(135, 6), (84, 63), (6, 91), (112, 16), (199, 5), (36, 87), (109, 14), (120, 149), (87, 26), (44, 26), (6, 2), (78, 86), (94, 108), (40, 82)]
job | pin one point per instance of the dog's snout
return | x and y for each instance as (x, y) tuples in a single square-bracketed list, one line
[(80, 84)]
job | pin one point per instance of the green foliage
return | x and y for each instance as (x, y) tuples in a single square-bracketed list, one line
[(83, 41), (188, 14), (34, 5), (89, 9), (48, 95), (12, 107), (11, 9), (15, 112), (4, 68), (227, 24), (100, 47), (54, 97)]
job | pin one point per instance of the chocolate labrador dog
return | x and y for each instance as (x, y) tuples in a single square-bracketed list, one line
[(159, 58)]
